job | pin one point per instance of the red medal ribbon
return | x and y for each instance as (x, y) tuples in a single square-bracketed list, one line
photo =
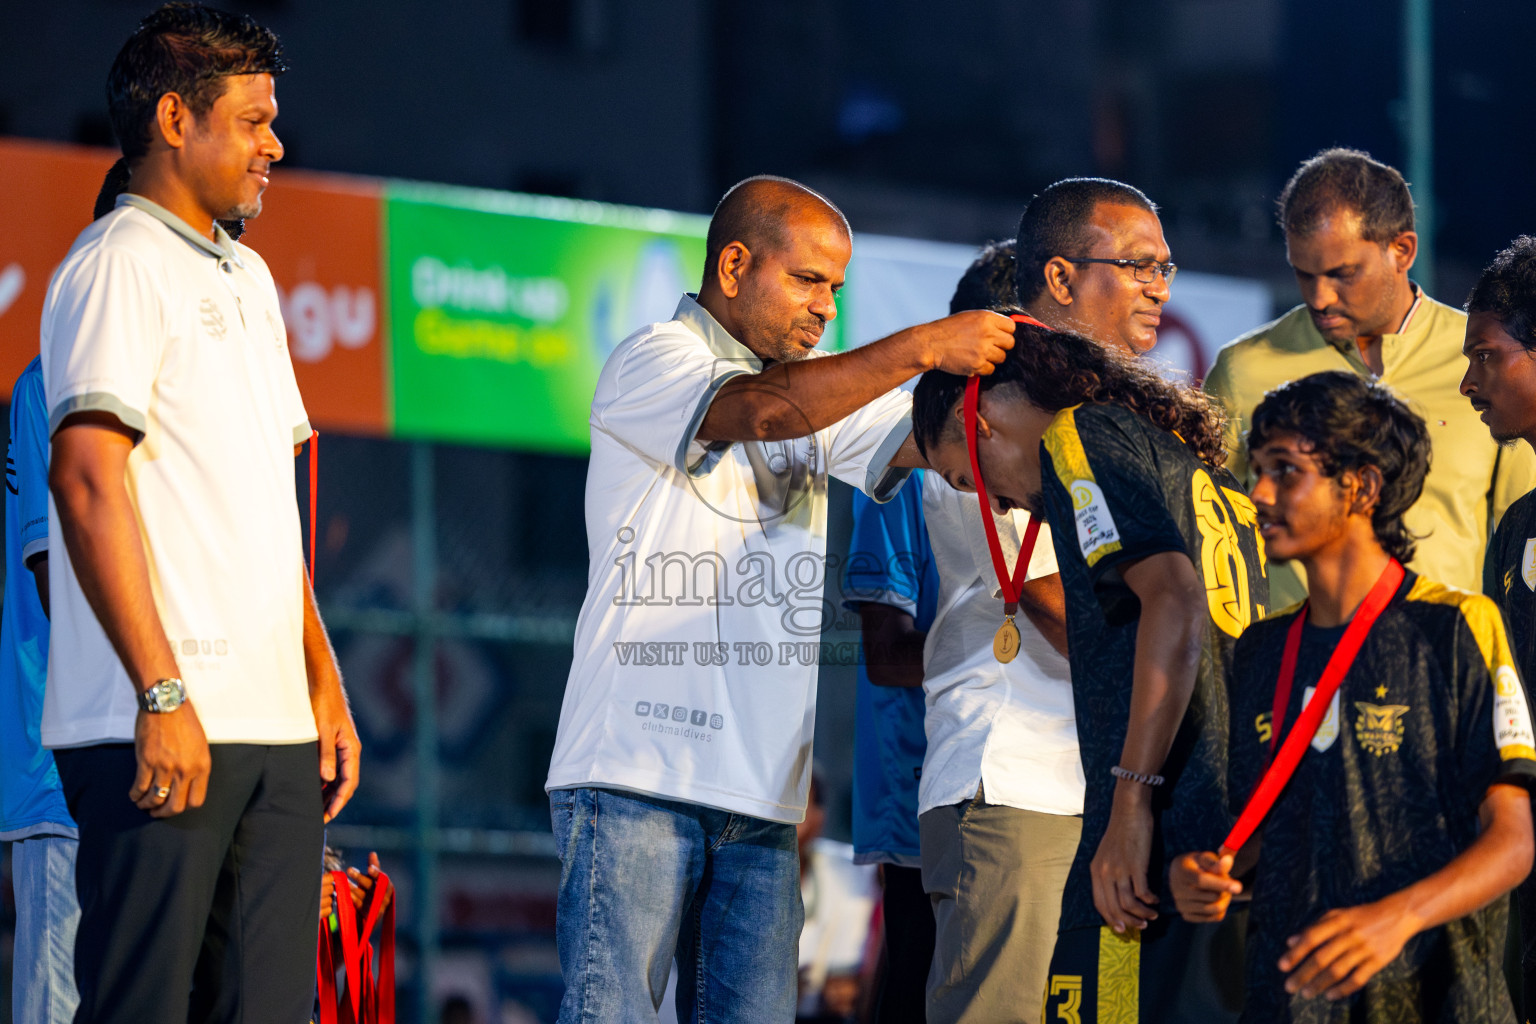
[(1283, 766), (1014, 584)]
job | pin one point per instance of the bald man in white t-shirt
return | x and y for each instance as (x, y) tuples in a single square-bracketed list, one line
[(683, 754)]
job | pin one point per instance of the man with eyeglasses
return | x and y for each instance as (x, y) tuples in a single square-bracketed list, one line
[(1349, 236), (1092, 260)]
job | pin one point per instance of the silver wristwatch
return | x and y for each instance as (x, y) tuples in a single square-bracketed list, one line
[(166, 695)]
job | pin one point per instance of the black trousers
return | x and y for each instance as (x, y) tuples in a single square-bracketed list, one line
[(909, 937), (210, 915)]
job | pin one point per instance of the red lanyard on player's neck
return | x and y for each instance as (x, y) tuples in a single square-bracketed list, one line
[(1284, 763), (1011, 584)]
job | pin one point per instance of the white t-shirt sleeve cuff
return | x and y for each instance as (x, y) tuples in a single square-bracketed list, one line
[(97, 401), (882, 480), (696, 458)]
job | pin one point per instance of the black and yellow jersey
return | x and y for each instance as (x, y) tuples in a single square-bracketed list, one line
[(1509, 577), (1118, 489), (1431, 713)]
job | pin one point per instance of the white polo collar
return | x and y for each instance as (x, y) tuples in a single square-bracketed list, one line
[(221, 247)]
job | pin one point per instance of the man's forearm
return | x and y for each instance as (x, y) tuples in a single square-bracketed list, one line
[(1497, 861), (101, 535), (1169, 637), (788, 400), (1044, 603), (319, 655), (893, 646)]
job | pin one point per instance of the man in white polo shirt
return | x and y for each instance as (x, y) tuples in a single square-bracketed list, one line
[(684, 748), (189, 674)]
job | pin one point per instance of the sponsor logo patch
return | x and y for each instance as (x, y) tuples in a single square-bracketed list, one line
[(1095, 526), (1512, 732)]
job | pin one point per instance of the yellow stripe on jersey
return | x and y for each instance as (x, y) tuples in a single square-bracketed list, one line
[(1511, 714), (1119, 977), (1097, 534)]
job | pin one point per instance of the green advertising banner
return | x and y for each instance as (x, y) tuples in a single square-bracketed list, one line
[(505, 306)]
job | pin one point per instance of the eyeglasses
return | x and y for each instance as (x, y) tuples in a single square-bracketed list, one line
[(1145, 270)]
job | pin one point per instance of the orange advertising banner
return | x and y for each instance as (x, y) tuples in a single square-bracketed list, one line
[(319, 234), (47, 192)]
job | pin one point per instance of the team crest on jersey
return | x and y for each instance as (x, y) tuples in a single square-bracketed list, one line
[(1328, 730), (1528, 564), (1095, 526), (1379, 727)]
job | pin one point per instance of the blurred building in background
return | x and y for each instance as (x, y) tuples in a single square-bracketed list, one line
[(444, 336)]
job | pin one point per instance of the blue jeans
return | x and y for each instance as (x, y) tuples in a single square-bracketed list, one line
[(43, 975), (644, 879)]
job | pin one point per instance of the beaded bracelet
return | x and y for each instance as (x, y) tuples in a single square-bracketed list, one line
[(1130, 776)]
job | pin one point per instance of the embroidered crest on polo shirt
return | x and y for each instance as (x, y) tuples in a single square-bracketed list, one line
[(1528, 564), (1095, 526), (1379, 727), (212, 318)]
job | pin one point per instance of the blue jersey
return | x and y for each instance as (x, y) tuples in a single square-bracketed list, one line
[(891, 563), (31, 800)]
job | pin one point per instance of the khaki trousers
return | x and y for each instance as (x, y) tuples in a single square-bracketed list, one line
[(995, 875)]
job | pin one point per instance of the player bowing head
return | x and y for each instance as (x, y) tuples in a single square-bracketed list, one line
[(1161, 569), (1045, 373)]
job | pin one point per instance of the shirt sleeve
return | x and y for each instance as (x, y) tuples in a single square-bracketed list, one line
[(860, 446), (1495, 742), (29, 449), (653, 399), (1117, 497), (888, 553), (104, 335)]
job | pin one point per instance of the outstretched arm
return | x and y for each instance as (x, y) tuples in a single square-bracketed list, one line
[(1346, 947), (788, 400), (1168, 642)]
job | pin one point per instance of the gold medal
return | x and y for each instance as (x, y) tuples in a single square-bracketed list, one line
[(1005, 646)]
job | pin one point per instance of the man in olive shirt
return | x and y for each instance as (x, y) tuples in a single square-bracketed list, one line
[(1349, 235)]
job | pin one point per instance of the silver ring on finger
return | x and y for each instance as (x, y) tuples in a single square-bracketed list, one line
[(163, 792)]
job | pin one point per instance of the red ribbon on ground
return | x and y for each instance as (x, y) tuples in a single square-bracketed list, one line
[(1011, 585), (1283, 766)]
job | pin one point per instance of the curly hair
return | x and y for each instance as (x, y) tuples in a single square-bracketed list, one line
[(1507, 290), (1350, 423), (1056, 370)]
